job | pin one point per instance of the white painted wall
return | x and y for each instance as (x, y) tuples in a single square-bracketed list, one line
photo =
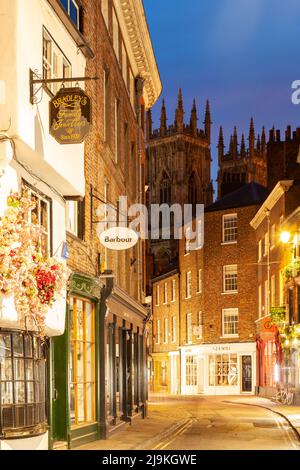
[(21, 45)]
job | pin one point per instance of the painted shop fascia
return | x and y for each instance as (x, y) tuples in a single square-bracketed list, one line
[(30, 158), (118, 380)]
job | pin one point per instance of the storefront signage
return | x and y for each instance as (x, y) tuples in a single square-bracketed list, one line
[(118, 238), (267, 326), (70, 115)]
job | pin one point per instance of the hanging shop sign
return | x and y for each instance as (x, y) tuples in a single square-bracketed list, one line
[(70, 116), (118, 238)]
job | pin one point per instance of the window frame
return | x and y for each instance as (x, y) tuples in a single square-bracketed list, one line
[(199, 281), (233, 312), (77, 7), (188, 287), (173, 326), (228, 216), (157, 297), (165, 293), (166, 331), (173, 291), (225, 290), (189, 328)]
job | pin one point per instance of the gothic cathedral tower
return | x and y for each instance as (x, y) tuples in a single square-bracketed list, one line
[(179, 171), (241, 165)]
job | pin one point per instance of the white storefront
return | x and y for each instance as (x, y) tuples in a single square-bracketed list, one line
[(218, 369)]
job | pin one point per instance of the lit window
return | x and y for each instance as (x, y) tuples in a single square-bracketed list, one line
[(173, 290), (82, 361), (189, 328), (223, 370), (200, 325), (166, 330), (191, 370), (199, 283), (157, 296), (229, 228), (22, 384), (188, 284), (166, 293), (230, 322), (273, 290), (173, 329), (158, 332), (266, 243), (273, 236), (73, 10), (230, 278), (266, 306)]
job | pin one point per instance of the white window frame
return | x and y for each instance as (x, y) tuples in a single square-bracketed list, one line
[(166, 331), (55, 65), (173, 325), (173, 290), (189, 328), (188, 290), (199, 282), (224, 218), (165, 293), (227, 267), (230, 312), (72, 212), (40, 199)]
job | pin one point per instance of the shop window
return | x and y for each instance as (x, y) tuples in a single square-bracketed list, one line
[(223, 370), (230, 228), (230, 322), (230, 278), (82, 361), (55, 63), (41, 214), (191, 370), (22, 384)]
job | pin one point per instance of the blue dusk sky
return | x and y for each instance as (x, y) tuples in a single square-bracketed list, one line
[(243, 55)]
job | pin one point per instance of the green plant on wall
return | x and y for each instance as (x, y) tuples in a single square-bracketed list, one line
[(290, 269), (278, 315)]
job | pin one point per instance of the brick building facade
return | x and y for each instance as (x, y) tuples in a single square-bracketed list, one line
[(101, 381), (165, 333), (218, 300), (277, 287)]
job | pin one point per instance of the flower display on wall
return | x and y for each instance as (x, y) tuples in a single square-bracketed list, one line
[(33, 278)]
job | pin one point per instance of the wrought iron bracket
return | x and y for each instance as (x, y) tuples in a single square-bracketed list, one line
[(36, 83)]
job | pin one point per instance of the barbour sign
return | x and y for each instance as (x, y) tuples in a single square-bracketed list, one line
[(70, 116)]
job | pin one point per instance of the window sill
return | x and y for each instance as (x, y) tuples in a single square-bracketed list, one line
[(229, 336), (230, 292), (186, 254), (187, 298), (229, 243)]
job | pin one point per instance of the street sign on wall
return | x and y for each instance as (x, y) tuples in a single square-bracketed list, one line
[(70, 114)]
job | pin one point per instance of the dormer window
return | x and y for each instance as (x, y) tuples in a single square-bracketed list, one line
[(73, 10)]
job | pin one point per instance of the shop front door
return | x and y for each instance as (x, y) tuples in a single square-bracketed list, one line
[(191, 374), (246, 386)]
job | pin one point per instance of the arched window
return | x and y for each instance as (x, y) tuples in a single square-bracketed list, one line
[(193, 190), (165, 190)]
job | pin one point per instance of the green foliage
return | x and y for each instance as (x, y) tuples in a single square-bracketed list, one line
[(277, 315)]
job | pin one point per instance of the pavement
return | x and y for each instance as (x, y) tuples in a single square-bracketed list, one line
[(209, 423)]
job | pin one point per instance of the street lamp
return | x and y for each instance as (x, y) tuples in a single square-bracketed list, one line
[(285, 237)]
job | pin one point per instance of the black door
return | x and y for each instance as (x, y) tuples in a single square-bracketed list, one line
[(246, 374)]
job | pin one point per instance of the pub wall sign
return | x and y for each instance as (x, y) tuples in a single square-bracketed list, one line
[(70, 114)]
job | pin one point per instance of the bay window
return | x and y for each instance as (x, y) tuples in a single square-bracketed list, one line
[(22, 384)]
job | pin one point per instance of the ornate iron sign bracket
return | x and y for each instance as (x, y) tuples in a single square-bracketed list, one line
[(36, 83)]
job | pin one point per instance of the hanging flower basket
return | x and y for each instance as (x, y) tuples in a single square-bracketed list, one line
[(32, 279)]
